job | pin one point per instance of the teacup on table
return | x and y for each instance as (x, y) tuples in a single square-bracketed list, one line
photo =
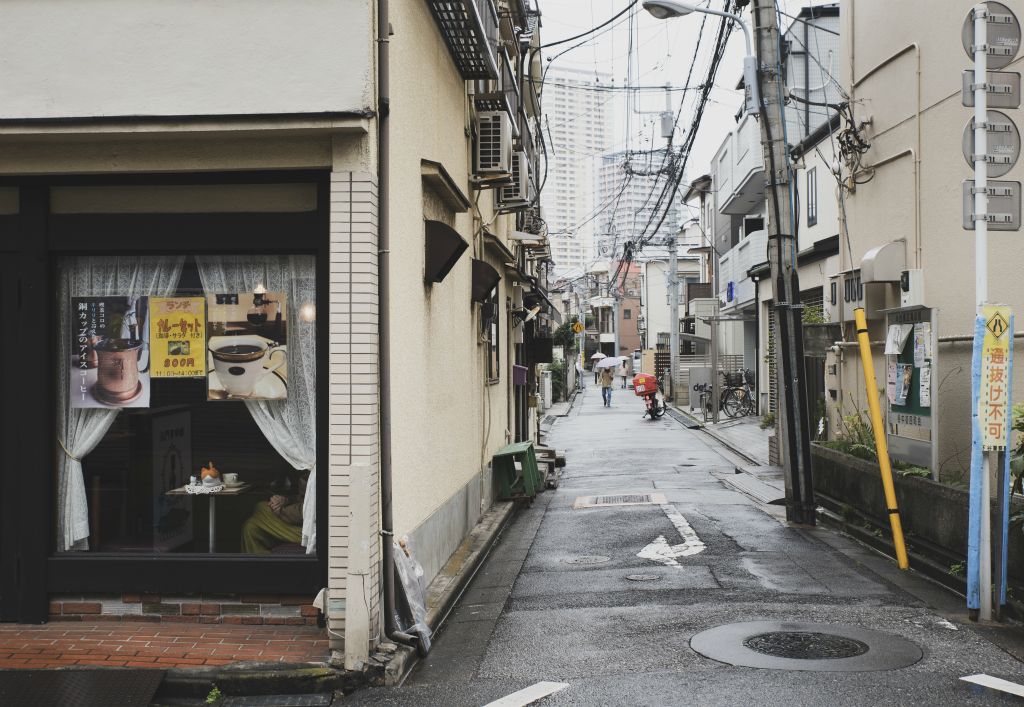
[(239, 362), (231, 479)]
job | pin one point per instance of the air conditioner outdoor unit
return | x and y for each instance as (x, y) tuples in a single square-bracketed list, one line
[(517, 193), (494, 143)]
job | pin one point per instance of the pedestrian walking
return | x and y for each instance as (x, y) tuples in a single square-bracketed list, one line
[(607, 380), (579, 375), (623, 371)]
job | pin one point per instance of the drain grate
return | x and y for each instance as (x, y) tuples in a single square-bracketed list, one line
[(588, 560), (625, 499), (622, 500), (805, 645)]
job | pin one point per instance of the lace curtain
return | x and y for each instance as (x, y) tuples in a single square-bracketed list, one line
[(79, 430), (289, 425)]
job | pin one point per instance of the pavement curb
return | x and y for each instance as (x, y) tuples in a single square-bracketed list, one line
[(697, 424), (258, 678), (451, 582)]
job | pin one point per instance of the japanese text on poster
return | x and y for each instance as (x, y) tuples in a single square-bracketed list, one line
[(178, 337), (994, 400), (109, 352)]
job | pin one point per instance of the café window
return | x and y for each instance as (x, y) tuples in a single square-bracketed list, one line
[(186, 404)]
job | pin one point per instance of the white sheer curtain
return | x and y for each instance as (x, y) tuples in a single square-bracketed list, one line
[(289, 425), (79, 430)]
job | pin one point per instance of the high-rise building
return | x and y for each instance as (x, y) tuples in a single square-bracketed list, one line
[(630, 184), (578, 106)]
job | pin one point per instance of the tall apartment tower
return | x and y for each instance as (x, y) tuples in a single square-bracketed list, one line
[(628, 182), (577, 129)]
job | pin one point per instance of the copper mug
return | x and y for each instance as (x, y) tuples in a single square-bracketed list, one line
[(117, 374)]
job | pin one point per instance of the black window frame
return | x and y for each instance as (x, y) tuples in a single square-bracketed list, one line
[(27, 554)]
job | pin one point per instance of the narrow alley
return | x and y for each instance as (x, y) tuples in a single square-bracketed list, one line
[(606, 594)]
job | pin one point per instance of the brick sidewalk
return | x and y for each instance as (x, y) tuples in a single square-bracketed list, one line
[(60, 644)]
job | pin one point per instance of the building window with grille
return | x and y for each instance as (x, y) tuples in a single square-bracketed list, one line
[(812, 196)]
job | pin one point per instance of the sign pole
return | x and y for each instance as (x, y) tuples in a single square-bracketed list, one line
[(981, 279)]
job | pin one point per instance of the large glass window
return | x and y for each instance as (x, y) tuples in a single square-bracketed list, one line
[(186, 406)]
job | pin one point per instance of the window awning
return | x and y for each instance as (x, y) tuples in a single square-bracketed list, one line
[(485, 279), (443, 248)]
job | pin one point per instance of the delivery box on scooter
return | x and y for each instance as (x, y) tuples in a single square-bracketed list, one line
[(644, 384)]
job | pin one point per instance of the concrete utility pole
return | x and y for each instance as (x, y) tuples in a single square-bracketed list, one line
[(673, 317), (793, 425)]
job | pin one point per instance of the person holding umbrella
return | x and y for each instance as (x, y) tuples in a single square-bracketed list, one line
[(596, 358), (606, 366)]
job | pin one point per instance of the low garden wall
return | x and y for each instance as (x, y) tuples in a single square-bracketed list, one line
[(933, 512)]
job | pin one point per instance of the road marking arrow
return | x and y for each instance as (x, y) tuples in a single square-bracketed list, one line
[(661, 551)]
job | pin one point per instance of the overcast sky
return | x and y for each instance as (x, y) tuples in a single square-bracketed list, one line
[(664, 52)]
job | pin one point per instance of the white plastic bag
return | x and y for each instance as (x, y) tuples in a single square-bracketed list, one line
[(410, 573)]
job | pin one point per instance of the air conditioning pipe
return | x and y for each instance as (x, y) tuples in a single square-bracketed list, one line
[(387, 523)]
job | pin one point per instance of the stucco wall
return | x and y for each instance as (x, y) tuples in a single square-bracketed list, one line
[(63, 59), (885, 208), (446, 420)]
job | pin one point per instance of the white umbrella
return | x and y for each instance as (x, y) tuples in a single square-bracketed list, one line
[(596, 356), (608, 362)]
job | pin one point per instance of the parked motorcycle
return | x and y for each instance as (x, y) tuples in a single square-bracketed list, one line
[(646, 387)]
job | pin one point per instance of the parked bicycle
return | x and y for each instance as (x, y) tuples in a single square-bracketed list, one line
[(704, 401), (739, 397)]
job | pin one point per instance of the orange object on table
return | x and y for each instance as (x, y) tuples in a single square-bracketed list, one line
[(644, 384)]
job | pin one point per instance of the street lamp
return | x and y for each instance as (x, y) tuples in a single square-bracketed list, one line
[(665, 9)]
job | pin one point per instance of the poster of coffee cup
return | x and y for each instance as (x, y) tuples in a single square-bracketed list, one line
[(247, 352), (109, 365)]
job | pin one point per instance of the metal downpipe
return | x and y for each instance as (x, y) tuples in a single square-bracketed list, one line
[(387, 523)]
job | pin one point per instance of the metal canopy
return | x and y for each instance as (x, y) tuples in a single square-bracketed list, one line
[(469, 28), (443, 247)]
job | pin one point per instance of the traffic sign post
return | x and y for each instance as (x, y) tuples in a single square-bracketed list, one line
[(991, 144)]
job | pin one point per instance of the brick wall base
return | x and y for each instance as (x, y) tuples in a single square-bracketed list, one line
[(255, 609)]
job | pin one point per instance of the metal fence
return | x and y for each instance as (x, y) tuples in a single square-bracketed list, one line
[(731, 362)]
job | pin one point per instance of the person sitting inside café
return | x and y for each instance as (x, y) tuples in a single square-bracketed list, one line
[(274, 522)]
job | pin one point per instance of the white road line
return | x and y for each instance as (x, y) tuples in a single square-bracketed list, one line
[(661, 551), (996, 684), (529, 695)]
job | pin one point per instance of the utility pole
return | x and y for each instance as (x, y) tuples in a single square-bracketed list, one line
[(673, 316), (793, 421)]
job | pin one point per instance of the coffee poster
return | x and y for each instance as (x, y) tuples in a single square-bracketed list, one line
[(109, 352), (247, 355), (177, 335)]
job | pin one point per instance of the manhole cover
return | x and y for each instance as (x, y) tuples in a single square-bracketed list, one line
[(588, 560), (791, 645), (805, 645), (625, 499), (643, 577)]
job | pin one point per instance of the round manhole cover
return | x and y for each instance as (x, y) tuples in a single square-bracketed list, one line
[(792, 645), (643, 577), (805, 645), (588, 560)]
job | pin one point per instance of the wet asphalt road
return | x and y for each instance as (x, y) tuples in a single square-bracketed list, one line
[(531, 614)]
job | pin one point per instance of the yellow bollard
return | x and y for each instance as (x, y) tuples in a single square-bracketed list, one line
[(879, 430)]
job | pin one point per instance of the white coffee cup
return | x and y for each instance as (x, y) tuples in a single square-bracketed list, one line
[(239, 362), (231, 479)]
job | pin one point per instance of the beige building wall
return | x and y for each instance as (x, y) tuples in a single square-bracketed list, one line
[(181, 57), (902, 64), (446, 420)]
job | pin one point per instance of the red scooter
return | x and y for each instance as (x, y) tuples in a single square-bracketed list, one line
[(646, 387)]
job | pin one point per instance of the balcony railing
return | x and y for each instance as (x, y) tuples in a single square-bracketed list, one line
[(501, 93), (470, 29), (734, 265)]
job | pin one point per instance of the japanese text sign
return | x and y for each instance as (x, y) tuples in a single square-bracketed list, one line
[(994, 398), (178, 337)]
